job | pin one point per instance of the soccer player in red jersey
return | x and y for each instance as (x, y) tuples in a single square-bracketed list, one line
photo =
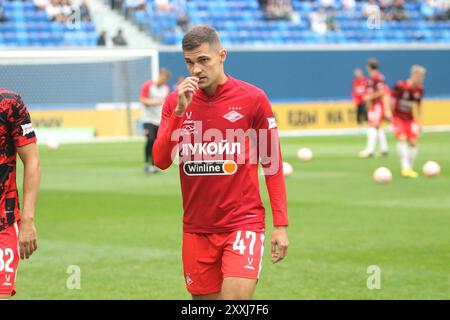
[(407, 96), (359, 85), (17, 231), (378, 109), (221, 128), (153, 95)]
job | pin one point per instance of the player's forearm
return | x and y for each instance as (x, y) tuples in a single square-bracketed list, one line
[(166, 142), (392, 106), (375, 95), (272, 162), (387, 107), (31, 182), (152, 102), (277, 195), (416, 113), (418, 120)]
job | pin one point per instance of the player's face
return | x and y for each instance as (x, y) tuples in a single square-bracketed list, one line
[(163, 77), (417, 78), (206, 63), (358, 73)]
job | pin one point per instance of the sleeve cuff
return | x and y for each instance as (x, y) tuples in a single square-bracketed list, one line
[(25, 142)]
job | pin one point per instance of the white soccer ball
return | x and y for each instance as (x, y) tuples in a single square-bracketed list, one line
[(304, 154), (382, 175), (52, 144), (287, 169), (431, 169)]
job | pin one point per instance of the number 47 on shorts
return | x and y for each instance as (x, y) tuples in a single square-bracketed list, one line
[(239, 244)]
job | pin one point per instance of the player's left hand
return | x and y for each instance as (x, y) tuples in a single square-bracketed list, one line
[(27, 238), (280, 243)]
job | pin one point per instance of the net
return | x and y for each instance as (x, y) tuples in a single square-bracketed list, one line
[(94, 91)]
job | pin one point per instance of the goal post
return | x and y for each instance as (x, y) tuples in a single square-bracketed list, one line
[(66, 90)]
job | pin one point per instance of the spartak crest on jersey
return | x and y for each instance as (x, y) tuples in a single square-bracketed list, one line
[(233, 116)]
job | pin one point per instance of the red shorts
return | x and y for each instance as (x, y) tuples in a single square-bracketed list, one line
[(9, 259), (408, 128), (209, 258), (375, 115)]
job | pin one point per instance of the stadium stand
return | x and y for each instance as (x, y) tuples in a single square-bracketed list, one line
[(245, 22), (25, 25), (239, 22)]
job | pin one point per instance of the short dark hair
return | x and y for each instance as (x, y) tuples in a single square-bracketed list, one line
[(373, 63), (199, 35)]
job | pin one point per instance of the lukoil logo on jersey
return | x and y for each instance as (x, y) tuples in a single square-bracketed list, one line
[(244, 147), (211, 167), (210, 148)]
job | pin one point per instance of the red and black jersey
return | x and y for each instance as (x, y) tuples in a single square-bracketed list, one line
[(359, 86), (16, 130), (374, 84), (404, 97)]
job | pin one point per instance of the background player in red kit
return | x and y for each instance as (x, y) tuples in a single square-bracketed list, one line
[(17, 232), (224, 218), (407, 96), (359, 85), (378, 109), (153, 94)]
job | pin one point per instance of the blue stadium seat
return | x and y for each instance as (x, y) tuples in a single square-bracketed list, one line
[(7, 27), (56, 27), (27, 26), (9, 37), (239, 21), (22, 38)]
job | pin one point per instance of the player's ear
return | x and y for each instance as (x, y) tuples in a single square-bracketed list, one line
[(223, 55)]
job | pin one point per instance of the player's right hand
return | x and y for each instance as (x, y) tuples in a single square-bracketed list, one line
[(27, 238), (186, 90)]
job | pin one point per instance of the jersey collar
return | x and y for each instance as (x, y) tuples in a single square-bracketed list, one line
[(221, 88)]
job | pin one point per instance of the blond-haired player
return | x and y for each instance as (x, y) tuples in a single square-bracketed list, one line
[(407, 97)]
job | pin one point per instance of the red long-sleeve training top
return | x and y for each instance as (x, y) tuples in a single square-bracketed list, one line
[(219, 142)]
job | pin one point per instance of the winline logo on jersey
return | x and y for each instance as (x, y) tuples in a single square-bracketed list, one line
[(199, 168), (221, 152)]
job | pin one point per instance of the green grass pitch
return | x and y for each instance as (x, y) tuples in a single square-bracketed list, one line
[(97, 210)]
